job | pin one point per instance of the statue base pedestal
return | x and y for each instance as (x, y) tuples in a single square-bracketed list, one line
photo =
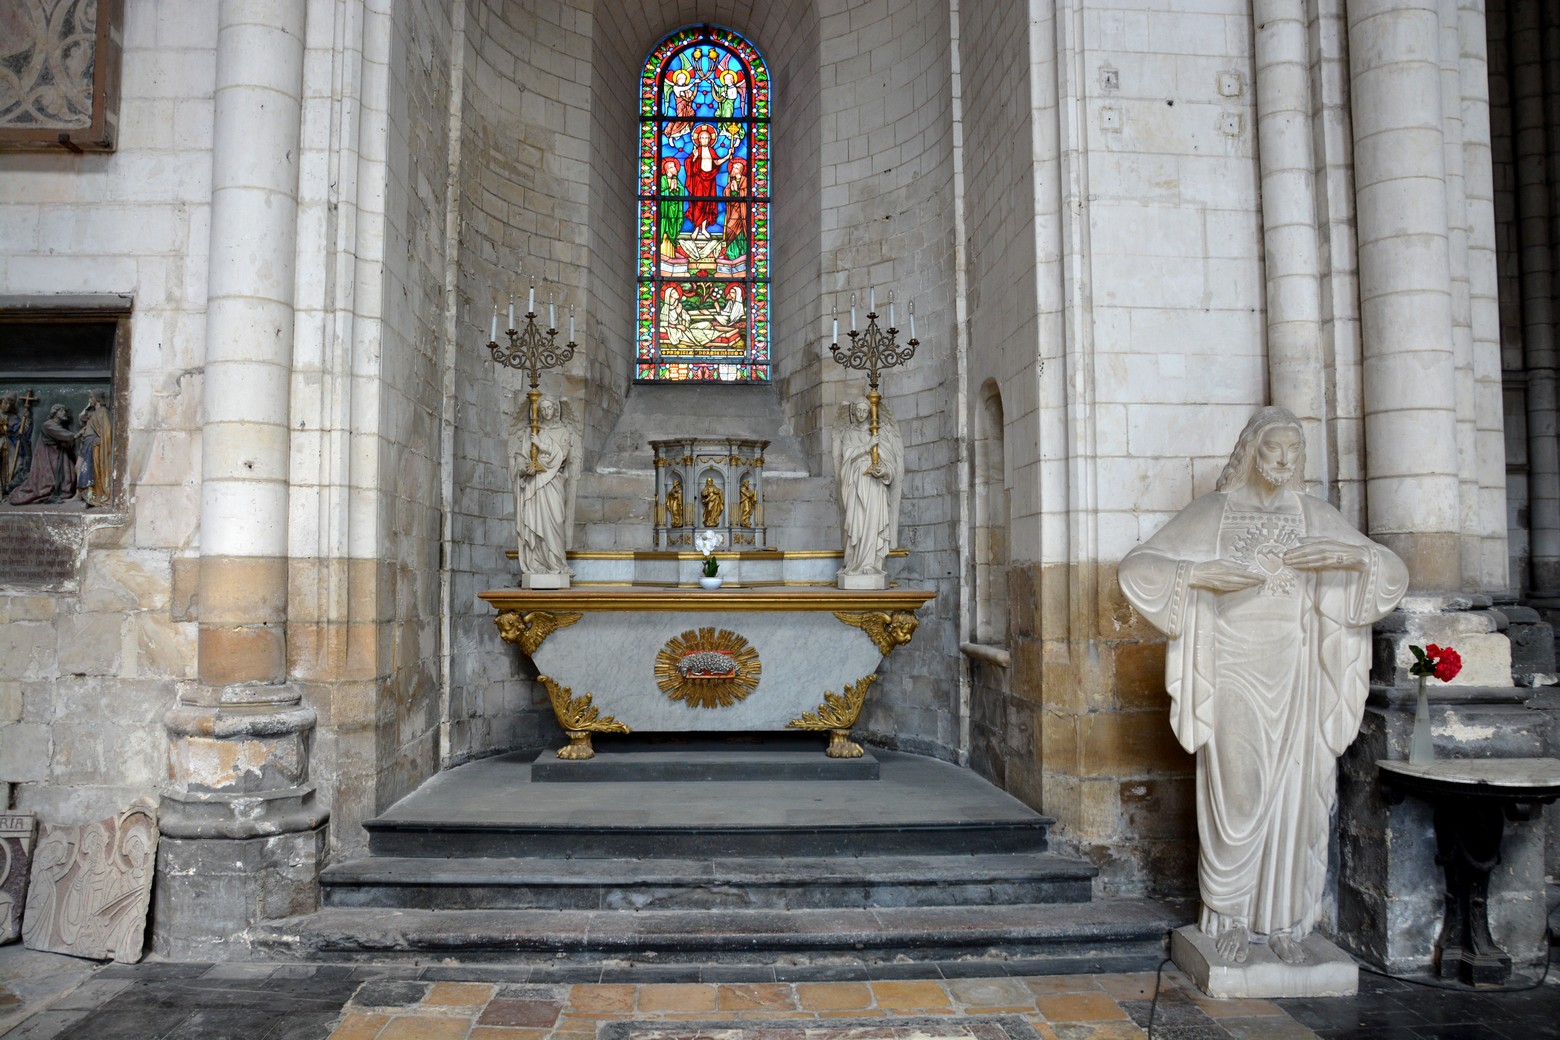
[(544, 581), (861, 581), (1327, 971)]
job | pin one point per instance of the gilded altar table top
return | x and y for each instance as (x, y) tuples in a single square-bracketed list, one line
[(631, 598)]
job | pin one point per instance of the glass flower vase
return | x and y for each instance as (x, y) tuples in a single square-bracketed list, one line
[(1422, 748)]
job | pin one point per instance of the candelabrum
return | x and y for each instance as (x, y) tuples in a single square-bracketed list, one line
[(532, 350), (873, 349)]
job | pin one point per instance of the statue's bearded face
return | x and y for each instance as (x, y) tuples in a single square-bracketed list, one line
[(1280, 452)]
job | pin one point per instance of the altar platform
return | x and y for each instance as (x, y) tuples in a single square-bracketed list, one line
[(926, 862)]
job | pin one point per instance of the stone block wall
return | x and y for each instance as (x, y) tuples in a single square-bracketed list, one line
[(87, 671)]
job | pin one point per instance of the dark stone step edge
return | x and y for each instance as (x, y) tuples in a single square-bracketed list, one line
[(515, 871)]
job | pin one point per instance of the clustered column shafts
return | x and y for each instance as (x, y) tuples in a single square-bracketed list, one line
[(1531, 141), (1412, 472), (1297, 371), (249, 346)]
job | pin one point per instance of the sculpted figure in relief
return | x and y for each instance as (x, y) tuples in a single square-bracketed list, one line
[(544, 484), (1267, 595), (713, 500), (869, 491)]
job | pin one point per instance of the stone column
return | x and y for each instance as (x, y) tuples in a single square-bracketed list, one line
[(1531, 133), (242, 833), (1297, 371), (1411, 465)]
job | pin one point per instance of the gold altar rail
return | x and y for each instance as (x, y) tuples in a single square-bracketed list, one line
[(631, 598)]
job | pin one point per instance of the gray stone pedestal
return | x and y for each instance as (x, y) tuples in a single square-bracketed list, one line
[(1327, 971)]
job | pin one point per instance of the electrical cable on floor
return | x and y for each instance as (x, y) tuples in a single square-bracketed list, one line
[(1153, 1005), (1456, 987)]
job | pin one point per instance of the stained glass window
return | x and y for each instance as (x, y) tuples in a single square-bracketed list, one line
[(703, 312)]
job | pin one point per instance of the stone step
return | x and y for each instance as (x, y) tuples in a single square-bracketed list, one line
[(1107, 936), (391, 837), (680, 883)]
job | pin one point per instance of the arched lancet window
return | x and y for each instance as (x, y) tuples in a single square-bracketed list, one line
[(703, 211)]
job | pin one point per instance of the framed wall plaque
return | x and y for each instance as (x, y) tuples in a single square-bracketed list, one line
[(59, 74)]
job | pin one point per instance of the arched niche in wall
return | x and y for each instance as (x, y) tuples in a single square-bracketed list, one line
[(990, 542)]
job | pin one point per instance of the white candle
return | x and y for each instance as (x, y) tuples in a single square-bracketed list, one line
[(493, 332), (511, 312), (853, 312), (530, 301), (552, 314), (872, 299), (891, 308), (912, 319), (834, 337), (571, 323)]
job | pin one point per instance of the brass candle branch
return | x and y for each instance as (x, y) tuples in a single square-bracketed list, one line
[(870, 351), (532, 351)]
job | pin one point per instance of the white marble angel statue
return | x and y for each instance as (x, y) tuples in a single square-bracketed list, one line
[(544, 480), (869, 491), (1267, 595)]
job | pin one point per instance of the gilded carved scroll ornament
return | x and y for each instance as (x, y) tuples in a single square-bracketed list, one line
[(579, 717), (886, 630), (838, 714), (529, 630)]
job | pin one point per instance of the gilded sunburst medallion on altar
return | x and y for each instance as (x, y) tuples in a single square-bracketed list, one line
[(707, 668)]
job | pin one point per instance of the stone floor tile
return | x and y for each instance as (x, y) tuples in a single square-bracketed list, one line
[(135, 1024), (829, 996), (852, 1013), (988, 993), (245, 970), (1048, 985), (504, 1033), (533, 1014), (1281, 1027), (601, 998), (91, 993), (224, 1024), (695, 996), (360, 1025), (303, 1025), (426, 1027), (1138, 985), (48, 1025), (1127, 1030), (748, 996), (907, 995), (458, 994), (1080, 1007), (390, 993), (1236, 1007)]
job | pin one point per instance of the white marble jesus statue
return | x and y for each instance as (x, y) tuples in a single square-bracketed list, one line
[(1267, 595)]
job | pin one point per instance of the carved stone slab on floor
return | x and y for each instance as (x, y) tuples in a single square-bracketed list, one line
[(92, 884), (1327, 972), (16, 844)]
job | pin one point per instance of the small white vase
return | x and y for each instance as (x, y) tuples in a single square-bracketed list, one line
[(1422, 749), (710, 583)]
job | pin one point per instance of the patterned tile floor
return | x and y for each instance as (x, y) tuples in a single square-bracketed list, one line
[(391, 1002)]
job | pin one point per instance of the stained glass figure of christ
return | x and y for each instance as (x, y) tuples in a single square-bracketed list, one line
[(703, 311)]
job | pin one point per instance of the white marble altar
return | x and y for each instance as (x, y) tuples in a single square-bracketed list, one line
[(679, 660), (1267, 596)]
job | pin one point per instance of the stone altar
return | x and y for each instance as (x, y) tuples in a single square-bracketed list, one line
[(638, 659)]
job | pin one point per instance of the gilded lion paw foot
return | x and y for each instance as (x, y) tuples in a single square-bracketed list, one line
[(1287, 949), (1233, 944)]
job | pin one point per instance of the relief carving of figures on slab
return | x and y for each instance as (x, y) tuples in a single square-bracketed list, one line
[(545, 468), (16, 844), (1267, 596), (91, 886), (871, 470), (66, 459)]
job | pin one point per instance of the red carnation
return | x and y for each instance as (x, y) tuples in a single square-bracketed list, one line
[(1440, 661)]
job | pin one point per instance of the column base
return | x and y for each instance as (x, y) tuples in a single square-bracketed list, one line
[(211, 892)]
